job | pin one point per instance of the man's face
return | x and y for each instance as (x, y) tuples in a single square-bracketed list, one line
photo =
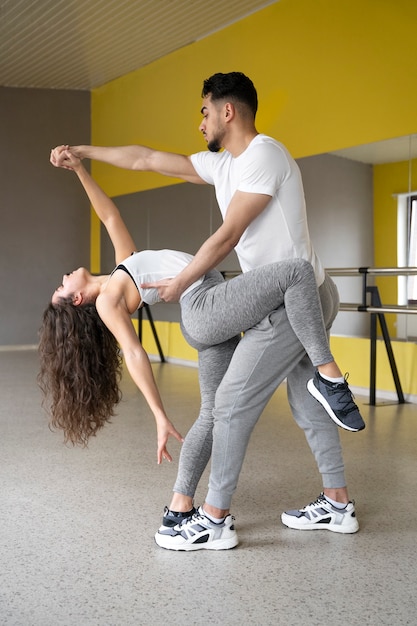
[(212, 125)]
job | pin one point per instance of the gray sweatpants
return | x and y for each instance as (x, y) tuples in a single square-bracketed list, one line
[(278, 308)]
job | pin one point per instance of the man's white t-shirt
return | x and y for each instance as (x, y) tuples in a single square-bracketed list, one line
[(280, 232)]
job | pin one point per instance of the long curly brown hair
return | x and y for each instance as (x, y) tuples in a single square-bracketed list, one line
[(80, 370)]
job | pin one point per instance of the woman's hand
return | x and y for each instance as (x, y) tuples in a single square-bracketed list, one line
[(165, 429)]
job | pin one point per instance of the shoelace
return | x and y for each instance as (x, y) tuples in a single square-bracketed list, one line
[(196, 517), (345, 396), (320, 500)]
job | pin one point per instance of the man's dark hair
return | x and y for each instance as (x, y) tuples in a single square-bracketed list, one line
[(234, 86)]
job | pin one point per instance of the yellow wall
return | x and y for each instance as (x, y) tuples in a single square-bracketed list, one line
[(329, 73), (353, 355), (171, 340)]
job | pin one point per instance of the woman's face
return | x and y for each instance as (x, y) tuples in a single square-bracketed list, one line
[(71, 283)]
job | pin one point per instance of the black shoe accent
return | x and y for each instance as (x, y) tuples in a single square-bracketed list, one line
[(172, 518)]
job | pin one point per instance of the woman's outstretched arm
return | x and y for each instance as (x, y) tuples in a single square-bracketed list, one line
[(106, 210), (117, 319)]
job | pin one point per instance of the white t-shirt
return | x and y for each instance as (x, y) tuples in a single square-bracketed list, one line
[(149, 266), (280, 232)]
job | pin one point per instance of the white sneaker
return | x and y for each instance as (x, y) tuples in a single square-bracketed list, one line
[(322, 515), (199, 533)]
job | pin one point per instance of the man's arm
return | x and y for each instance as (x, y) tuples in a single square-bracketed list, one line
[(243, 209), (143, 159)]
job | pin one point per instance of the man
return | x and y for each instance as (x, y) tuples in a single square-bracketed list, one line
[(260, 194)]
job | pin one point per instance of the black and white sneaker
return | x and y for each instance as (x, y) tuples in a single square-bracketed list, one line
[(172, 518), (337, 400), (198, 533), (321, 514)]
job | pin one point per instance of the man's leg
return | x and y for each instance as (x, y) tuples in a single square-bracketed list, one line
[(265, 355), (332, 510), (321, 433)]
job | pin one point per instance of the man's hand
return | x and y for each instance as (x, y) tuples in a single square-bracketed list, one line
[(168, 289)]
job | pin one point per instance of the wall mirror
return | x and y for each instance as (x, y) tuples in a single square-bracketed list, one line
[(395, 186)]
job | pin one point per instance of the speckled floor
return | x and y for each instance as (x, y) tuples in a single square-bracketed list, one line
[(77, 526)]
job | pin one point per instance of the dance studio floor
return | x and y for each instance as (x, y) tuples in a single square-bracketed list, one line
[(77, 525)]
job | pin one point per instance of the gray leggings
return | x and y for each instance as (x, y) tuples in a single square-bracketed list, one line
[(213, 316)]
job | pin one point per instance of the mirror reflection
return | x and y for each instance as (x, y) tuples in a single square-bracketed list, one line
[(369, 196)]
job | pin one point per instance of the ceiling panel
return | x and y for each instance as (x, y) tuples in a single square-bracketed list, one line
[(387, 151), (82, 44)]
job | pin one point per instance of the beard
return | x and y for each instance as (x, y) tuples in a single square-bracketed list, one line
[(214, 145)]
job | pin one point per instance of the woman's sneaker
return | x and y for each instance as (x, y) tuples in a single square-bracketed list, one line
[(337, 400), (198, 533), (321, 514)]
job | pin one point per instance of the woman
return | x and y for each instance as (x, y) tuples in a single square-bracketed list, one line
[(89, 316)]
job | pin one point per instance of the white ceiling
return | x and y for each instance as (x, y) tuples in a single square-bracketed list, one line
[(83, 44), (387, 151)]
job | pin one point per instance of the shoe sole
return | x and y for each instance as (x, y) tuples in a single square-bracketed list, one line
[(336, 528), (319, 397), (221, 544)]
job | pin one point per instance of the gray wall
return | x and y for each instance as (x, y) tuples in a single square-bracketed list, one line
[(44, 215), (339, 196)]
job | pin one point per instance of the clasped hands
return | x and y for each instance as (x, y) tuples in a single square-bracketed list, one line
[(61, 156)]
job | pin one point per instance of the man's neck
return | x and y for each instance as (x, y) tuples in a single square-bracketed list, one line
[(238, 143)]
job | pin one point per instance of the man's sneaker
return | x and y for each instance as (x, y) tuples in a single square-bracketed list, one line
[(172, 518), (337, 400), (322, 515), (198, 533)]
